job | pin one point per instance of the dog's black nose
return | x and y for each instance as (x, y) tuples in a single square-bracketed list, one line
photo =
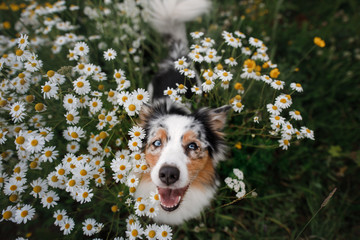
[(169, 174)]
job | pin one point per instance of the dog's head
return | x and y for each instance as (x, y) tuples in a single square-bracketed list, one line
[(182, 148)]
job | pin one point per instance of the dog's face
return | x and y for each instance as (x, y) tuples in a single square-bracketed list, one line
[(182, 149)]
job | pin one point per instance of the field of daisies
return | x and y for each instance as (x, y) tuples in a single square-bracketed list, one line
[(73, 80)]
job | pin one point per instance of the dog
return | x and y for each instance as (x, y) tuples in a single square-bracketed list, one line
[(182, 148)]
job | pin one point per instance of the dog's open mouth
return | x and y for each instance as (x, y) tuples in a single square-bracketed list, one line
[(170, 199)]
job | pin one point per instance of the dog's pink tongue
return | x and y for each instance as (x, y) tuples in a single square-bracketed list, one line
[(169, 197)]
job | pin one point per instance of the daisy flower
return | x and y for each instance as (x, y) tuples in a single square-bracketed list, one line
[(233, 42), (140, 95), (35, 143), (73, 147), (225, 75), (72, 55), (196, 56), (256, 119), (255, 42), (169, 91), (67, 225), (151, 231), (89, 227), (135, 231), (231, 61), (164, 232), (273, 109), (140, 208), (49, 199), (196, 35), (74, 133), (8, 214), (24, 214), (137, 132), (307, 133), (277, 120), (81, 48), (266, 79), (211, 56), (246, 51), (72, 117), (284, 144), (95, 105), (119, 74), (287, 128), (295, 115), (181, 63), (135, 144), (110, 54), (296, 87), (207, 42), (208, 85), (17, 111), (188, 72), (283, 101), (195, 89), (49, 154), (132, 107), (84, 195), (277, 84), (120, 165), (39, 187), (70, 102), (81, 86), (237, 106), (152, 211)]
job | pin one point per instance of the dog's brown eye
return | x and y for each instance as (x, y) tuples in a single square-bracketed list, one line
[(157, 143), (192, 146)]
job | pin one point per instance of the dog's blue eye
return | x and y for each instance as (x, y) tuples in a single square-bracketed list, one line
[(192, 146), (157, 143)]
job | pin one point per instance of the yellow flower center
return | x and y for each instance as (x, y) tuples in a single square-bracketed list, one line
[(132, 107), (34, 143), (83, 172), (152, 233), (49, 199), (164, 234), (74, 135), (80, 84), (134, 233), (13, 187), (85, 194), (72, 183), (20, 140), (7, 215), (37, 189), (117, 75), (50, 73), (141, 207), (89, 227), (24, 213)]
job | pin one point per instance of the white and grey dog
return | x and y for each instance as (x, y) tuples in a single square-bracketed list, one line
[(182, 148)]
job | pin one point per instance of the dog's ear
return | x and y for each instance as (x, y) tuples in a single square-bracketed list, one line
[(144, 115), (218, 117)]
